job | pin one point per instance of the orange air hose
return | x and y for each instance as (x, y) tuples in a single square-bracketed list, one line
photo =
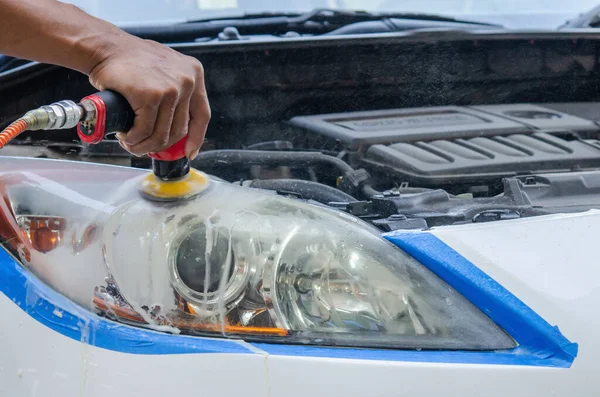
[(12, 131)]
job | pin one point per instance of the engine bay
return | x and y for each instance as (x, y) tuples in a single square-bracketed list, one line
[(424, 167), (402, 131), (446, 165)]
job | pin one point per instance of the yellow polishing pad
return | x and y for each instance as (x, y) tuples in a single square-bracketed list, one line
[(193, 183)]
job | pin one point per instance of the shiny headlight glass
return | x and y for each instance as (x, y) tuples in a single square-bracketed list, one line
[(237, 262)]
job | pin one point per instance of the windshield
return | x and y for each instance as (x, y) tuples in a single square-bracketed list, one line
[(118, 11)]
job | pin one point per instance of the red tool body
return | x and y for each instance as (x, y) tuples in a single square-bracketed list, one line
[(108, 111)]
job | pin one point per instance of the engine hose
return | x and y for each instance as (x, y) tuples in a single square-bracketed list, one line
[(369, 192), (307, 189), (208, 159), (271, 158), (17, 127)]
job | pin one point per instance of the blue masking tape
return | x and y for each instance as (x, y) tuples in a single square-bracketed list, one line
[(533, 334), (517, 356), (63, 316)]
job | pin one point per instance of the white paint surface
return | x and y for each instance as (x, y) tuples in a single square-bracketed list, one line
[(37, 361), (550, 263)]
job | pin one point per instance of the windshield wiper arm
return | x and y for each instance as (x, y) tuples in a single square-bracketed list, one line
[(318, 21), (336, 17)]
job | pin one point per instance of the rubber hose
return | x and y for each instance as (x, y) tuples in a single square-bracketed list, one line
[(369, 192), (14, 129), (272, 145), (307, 189), (209, 159)]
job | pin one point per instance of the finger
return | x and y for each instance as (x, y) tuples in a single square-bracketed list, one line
[(199, 118), (193, 154), (128, 148), (179, 128), (121, 136), (160, 134), (143, 125), (181, 119)]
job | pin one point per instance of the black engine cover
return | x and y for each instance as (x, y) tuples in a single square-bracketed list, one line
[(438, 146)]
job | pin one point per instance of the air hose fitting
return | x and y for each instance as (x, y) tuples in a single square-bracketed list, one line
[(59, 115)]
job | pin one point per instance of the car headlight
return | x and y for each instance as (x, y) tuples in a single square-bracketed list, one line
[(234, 262)]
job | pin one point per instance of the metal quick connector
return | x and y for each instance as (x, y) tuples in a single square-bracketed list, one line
[(59, 115), (73, 113)]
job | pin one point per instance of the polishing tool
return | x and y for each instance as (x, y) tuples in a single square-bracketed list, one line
[(105, 112), (172, 178)]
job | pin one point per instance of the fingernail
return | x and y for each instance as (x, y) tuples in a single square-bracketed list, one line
[(120, 136), (193, 154), (128, 148), (125, 146)]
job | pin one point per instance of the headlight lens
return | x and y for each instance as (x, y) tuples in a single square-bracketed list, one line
[(233, 262)]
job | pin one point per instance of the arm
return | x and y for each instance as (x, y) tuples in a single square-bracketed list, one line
[(164, 87)]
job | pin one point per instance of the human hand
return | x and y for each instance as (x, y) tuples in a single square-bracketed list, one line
[(165, 89)]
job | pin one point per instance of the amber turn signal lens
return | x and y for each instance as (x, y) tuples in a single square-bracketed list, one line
[(181, 321), (44, 233)]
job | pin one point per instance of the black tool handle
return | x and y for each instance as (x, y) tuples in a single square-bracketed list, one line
[(119, 114)]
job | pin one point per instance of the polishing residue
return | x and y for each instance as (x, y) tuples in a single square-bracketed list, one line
[(74, 197)]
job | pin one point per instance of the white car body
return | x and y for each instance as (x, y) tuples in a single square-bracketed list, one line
[(536, 276)]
